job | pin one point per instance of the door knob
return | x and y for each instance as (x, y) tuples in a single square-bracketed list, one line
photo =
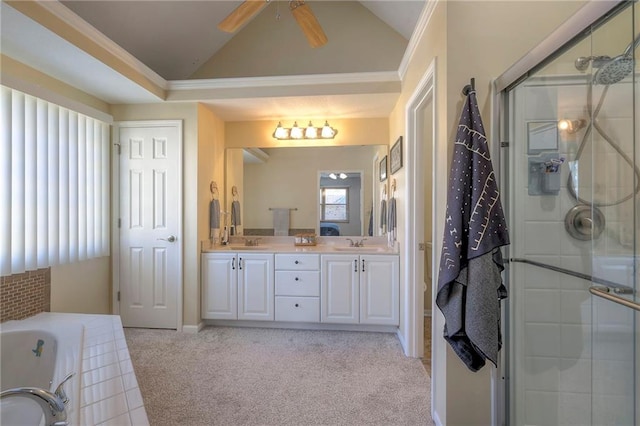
[(171, 239)]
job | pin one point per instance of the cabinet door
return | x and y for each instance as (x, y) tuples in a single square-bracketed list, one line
[(379, 290), (255, 287), (339, 289), (219, 286)]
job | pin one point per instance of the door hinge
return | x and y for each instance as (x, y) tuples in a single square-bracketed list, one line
[(118, 296), (422, 246), (119, 147), (119, 222), (504, 144)]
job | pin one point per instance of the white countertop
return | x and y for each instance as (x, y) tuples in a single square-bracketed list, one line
[(328, 245)]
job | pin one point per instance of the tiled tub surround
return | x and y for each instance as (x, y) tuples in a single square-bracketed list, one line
[(104, 390), (573, 353)]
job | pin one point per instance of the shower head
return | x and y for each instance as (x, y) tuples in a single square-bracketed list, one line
[(614, 70), (610, 70)]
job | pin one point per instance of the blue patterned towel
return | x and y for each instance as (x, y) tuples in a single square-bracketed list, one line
[(469, 282)]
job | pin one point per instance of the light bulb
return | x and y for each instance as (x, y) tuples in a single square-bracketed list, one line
[(333, 176), (328, 132), (280, 132), (311, 132), (343, 176), (296, 132)]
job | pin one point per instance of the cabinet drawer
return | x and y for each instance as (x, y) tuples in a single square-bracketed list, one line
[(298, 283), (298, 262), (302, 309)]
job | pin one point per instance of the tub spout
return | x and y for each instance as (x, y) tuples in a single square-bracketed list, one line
[(52, 405)]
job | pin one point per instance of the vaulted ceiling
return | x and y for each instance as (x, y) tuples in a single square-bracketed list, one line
[(178, 42)]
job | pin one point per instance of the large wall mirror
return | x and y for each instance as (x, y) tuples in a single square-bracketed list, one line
[(331, 191)]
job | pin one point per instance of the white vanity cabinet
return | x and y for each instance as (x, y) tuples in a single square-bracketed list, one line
[(360, 289), (238, 286), (297, 290)]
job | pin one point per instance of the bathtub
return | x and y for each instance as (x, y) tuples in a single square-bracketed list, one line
[(39, 354), (40, 351)]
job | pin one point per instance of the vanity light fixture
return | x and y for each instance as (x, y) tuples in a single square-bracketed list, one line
[(309, 132), (342, 175), (571, 126)]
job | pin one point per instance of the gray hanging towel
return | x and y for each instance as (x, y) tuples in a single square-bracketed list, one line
[(214, 215), (391, 221), (235, 213), (383, 215), (469, 282)]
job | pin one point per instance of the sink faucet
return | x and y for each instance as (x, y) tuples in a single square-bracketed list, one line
[(356, 243), (51, 404), (249, 242)]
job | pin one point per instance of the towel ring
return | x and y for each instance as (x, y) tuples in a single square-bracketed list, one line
[(234, 191), (213, 187)]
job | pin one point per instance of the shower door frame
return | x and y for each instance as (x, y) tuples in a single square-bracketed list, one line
[(573, 29)]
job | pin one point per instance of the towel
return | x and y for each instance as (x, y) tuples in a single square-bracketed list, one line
[(235, 213), (391, 222), (370, 230), (469, 282), (281, 222), (214, 216), (383, 216)]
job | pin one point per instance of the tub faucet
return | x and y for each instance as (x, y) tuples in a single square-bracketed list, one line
[(52, 406)]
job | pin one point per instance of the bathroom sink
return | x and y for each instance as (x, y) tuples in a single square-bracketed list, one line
[(367, 249)]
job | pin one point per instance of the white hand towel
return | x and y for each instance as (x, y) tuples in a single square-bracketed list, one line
[(281, 222)]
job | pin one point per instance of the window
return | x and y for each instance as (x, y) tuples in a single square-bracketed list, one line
[(334, 204), (54, 184)]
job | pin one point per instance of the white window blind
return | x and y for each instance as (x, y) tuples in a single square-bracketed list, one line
[(54, 184)]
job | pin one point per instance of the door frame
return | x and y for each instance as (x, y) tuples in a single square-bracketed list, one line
[(415, 215), (115, 211)]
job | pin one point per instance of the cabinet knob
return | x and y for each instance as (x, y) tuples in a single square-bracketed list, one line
[(296, 262), (297, 305), (297, 279)]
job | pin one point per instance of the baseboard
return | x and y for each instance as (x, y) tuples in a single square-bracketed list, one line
[(405, 349), (427, 312), (192, 329), (302, 325)]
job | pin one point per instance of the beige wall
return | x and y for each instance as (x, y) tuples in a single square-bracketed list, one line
[(480, 40), (82, 287), (259, 134), (286, 55), (188, 113)]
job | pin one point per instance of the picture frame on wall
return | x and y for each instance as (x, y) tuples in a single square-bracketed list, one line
[(396, 156), (383, 169)]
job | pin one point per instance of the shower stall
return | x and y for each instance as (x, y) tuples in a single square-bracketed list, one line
[(571, 181)]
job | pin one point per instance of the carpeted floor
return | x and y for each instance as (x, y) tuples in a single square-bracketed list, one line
[(248, 376)]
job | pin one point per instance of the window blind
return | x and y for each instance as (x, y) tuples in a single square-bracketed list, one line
[(54, 184)]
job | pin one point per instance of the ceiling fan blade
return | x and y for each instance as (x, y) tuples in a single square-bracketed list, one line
[(308, 22), (241, 15)]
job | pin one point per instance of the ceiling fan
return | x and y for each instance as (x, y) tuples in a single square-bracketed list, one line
[(301, 12)]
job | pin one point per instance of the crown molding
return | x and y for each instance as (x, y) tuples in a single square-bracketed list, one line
[(286, 80), (421, 26), (68, 17)]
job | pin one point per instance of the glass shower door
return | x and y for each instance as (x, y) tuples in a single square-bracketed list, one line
[(573, 131), (611, 183)]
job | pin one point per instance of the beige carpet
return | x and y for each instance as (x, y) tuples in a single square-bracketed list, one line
[(248, 376)]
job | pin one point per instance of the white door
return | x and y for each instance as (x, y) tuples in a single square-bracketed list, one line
[(379, 290), (150, 205), (219, 286), (255, 287), (339, 289)]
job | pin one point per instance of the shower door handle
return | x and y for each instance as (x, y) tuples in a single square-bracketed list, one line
[(605, 293)]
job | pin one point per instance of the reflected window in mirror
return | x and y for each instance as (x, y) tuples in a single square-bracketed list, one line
[(334, 204)]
